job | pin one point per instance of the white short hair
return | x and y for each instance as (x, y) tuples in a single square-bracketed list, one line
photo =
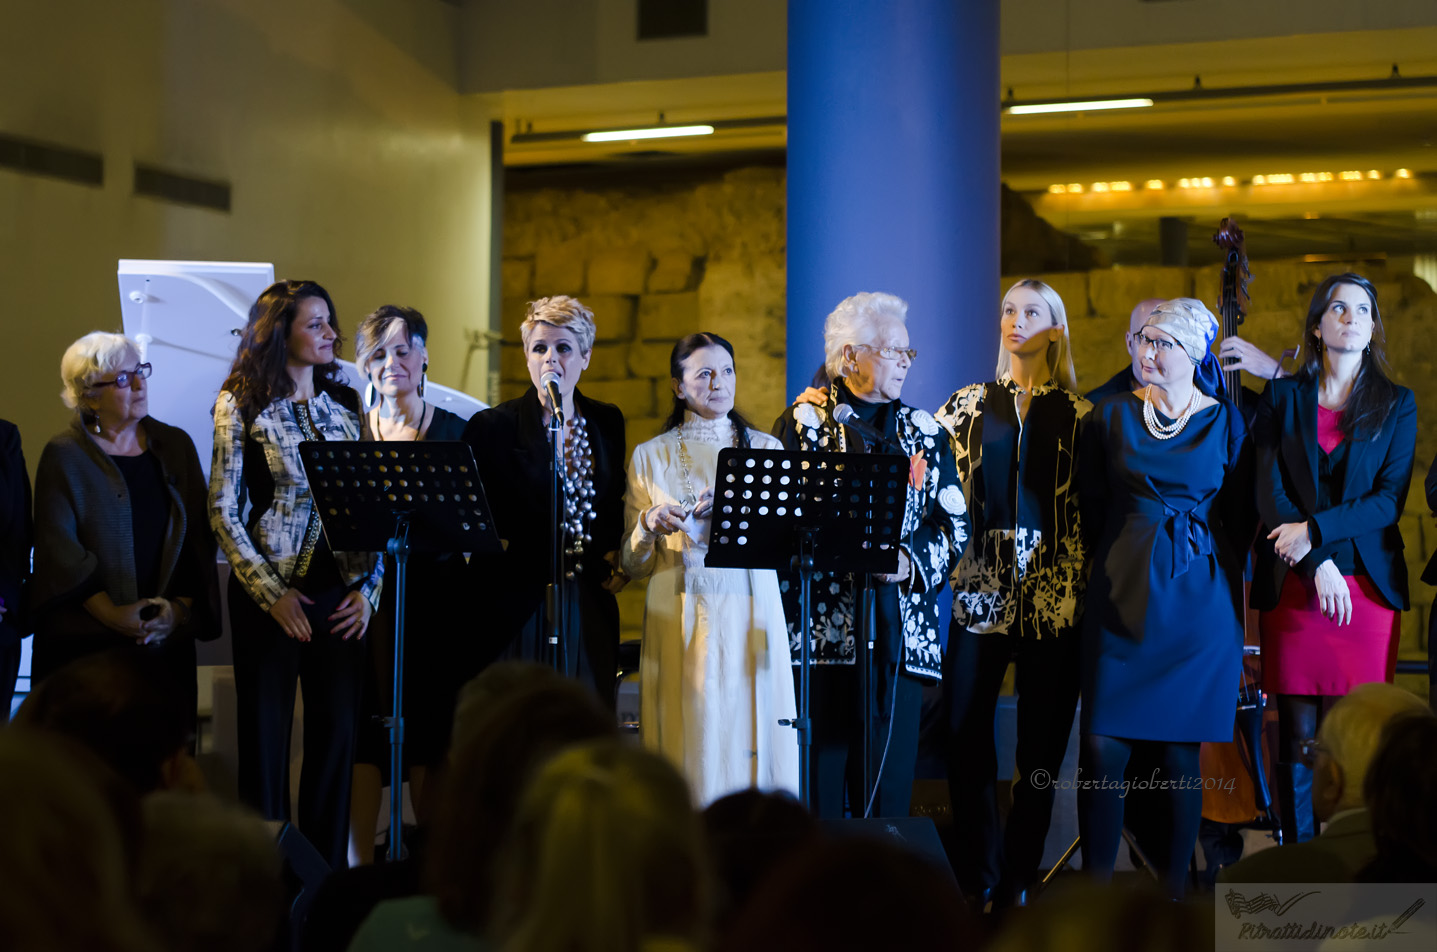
[(1351, 730), (90, 358), (855, 321)]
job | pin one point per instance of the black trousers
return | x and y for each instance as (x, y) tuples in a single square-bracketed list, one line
[(836, 709), (1047, 684), (267, 665)]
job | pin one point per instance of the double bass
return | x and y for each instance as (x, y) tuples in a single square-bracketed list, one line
[(1242, 759)]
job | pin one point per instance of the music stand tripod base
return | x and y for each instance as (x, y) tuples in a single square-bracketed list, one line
[(399, 498), (836, 513)]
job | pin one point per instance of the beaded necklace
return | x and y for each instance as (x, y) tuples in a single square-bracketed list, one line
[(578, 491)]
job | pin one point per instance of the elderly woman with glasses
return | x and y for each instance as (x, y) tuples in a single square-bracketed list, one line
[(123, 551), (867, 355), (1165, 494)]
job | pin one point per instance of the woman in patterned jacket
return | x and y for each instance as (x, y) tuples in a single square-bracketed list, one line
[(297, 609), (867, 355), (1017, 590)]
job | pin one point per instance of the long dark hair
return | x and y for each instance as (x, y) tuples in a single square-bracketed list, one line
[(258, 376), (681, 352), (1373, 393)]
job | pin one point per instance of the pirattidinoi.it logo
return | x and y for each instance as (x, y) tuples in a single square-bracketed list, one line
[(1326, 917)]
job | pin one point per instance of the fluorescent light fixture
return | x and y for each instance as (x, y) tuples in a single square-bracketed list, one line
[(655, 132), (1032, 109)]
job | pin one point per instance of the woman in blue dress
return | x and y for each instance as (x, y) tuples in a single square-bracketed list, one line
[(1166, 497)]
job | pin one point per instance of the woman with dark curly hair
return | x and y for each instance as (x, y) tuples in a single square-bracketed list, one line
[(297, 609)]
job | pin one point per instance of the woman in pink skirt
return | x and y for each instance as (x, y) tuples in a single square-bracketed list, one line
[(1335, 445)]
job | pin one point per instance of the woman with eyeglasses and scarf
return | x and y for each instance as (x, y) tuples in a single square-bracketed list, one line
[(1165, 496), (123, 551)]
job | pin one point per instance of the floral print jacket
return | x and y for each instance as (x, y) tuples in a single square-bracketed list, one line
[(1023, 574), (935, 530)]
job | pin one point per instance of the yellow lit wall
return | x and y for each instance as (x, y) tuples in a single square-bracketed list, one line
[(352, 158)]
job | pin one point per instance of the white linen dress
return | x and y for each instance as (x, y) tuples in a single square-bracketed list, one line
[(714, 677)]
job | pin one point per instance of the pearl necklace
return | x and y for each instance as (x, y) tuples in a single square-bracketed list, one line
[(578, 491), (1166, 431)]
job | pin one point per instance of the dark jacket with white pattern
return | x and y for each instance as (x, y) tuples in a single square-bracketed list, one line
[(935, 531)]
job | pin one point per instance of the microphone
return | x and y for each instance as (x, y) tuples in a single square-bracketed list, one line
[(846, 415), (549, 383)]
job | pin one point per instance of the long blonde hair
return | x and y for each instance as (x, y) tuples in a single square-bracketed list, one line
[(1060, 351)]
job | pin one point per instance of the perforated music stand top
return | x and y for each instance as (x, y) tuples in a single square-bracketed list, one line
[(764, 498), (359, 489)]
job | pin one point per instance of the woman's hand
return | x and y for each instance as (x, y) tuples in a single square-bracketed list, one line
[(665, 519), (618, 578), (123, 619), (1292, 541), (818, 396), (158, 628), (705, 505), (289, 613), (351, 618), (1333, 596), (905, 568)]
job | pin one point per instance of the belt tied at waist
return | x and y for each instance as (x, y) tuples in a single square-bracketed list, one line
[(1186, 528)]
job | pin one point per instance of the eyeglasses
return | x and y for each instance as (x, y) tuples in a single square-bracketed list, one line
[(1163, 346), (1309, 749), (125, 377), (893, 353)]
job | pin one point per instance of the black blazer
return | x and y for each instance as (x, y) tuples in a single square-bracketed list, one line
[(16, 533), (1374, 489), (511, 450)]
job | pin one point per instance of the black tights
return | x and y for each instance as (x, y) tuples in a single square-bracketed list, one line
[(1104, 762), (1297, 718)]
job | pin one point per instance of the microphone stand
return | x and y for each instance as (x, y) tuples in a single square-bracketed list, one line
[(555, 602), (867, 634)]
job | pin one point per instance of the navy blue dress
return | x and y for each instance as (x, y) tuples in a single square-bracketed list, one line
[(1168, 523)]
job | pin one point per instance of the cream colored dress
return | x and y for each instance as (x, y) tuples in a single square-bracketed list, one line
[(715, 678)]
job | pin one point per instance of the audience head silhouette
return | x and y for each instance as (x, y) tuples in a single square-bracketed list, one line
[(606, 856)]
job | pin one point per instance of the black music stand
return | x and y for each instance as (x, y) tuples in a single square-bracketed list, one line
[(810, 513), (398, 498)]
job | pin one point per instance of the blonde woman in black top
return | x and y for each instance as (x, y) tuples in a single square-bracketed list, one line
[(1018, 589)]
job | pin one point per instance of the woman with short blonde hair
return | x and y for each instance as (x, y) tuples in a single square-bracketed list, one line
[(512, 449), (123, 553)]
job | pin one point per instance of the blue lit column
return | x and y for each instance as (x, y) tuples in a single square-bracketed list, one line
[(893, 181)]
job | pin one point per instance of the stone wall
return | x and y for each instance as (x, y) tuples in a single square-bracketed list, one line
[(658, 262)]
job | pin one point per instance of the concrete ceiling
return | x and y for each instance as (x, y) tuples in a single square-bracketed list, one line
[(1261, 135)]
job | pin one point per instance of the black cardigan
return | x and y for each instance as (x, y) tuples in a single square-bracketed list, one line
[(1374, 488), (511, 449), (84, 540)]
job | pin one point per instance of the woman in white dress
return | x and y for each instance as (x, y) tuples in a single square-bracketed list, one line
[(715, 675)]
